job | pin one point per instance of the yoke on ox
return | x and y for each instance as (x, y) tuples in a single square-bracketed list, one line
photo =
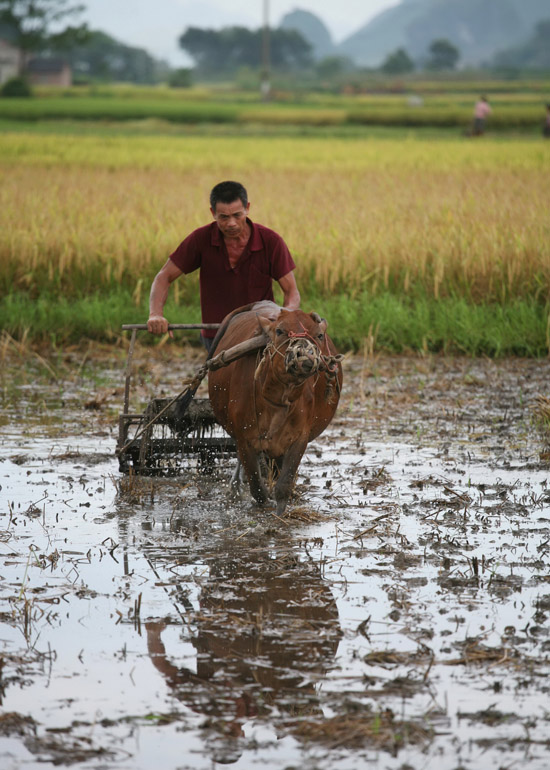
[(273, 402)]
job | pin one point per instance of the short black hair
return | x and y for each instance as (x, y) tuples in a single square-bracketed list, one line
[(228, 192)]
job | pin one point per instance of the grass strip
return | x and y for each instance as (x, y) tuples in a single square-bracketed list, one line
[(386, 322), (515, 116)]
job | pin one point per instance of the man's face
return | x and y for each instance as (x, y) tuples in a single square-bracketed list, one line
[(231, 218)]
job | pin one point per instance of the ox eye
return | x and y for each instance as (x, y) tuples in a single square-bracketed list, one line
[(321, 336), (278, 332)]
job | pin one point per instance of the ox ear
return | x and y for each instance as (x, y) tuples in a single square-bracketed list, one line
[(265, 324), (318, 320)]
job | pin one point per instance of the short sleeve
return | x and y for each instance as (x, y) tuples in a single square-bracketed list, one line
[(188, 256), (280, 258)]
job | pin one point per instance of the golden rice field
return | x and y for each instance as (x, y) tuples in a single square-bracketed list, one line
[(443, 218)]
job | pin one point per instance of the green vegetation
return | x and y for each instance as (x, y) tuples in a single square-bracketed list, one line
[(16, 88), (422, 104), (227, 49), (377, 322), (117, 109), (397, 63), (443, 55), (402, 244), (100, 58)]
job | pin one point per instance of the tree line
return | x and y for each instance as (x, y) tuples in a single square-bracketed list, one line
[(47, 27)]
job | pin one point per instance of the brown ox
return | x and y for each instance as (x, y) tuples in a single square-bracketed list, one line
[(274, 402)]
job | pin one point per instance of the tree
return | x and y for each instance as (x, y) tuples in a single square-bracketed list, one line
[(103, 58), (443, 55), (180, 78), (226, 50), (397, 63), (289, 49), (17, 87), (333, 66), (36, 24)]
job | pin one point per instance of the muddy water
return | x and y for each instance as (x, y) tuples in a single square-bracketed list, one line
[(396, 618)]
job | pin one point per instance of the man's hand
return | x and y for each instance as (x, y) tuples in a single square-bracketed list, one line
[(157, 324), (291, 295)]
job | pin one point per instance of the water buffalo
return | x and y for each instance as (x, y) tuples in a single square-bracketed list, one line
[(276, 400)]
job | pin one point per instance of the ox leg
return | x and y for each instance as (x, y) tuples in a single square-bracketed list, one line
[(266, 468), (236, 477), (288, 470), (250, 462)]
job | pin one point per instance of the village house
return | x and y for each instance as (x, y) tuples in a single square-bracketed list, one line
[(49, 72), (40, 71), (9, 60)]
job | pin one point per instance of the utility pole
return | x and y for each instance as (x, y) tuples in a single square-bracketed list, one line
[(265, 85)]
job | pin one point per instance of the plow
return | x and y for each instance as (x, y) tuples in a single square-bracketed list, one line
[(172, 433)]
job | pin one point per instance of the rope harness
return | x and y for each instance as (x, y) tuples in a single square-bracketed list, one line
[(303, 357)]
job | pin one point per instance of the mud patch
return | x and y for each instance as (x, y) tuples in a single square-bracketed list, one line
[(398, 617)]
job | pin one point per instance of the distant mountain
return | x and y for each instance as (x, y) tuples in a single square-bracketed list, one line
[(478, 28), (312, 29), (532, 11), (386, 32), (534, 54)]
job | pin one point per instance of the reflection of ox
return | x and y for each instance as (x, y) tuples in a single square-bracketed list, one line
[(275, 403), (266, 631)]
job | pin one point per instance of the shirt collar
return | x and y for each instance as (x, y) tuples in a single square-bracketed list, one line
[(254, 244)]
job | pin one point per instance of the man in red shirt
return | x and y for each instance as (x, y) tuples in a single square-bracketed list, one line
[(238, 260)]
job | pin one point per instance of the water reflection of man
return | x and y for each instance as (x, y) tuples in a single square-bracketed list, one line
[(267, 629)]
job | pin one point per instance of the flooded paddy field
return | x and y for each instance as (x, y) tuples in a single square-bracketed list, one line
[(397, 617)]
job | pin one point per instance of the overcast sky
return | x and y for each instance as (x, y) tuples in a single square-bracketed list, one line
[(156, 24)]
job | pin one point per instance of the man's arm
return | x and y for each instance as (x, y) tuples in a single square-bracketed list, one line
[(290, 291), (157, 323)]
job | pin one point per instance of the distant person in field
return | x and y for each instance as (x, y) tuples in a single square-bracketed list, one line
[(238, 260), (546, 127), (482, 110)]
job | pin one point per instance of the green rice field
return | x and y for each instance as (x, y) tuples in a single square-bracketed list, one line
[(404, 238)]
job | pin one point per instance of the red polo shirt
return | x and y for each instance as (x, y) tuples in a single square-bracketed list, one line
[(265, 258)]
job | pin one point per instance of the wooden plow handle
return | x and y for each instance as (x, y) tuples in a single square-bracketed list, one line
[(227, 357), (143, 327), (224, 358)]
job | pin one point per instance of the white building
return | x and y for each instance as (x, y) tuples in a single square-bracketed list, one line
[(9, 60)]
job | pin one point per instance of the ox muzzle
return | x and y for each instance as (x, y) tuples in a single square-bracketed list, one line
[(302, 358)]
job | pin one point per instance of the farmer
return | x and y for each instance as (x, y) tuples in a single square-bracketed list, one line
[(546, 126), (482, 110), (237, 258)]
